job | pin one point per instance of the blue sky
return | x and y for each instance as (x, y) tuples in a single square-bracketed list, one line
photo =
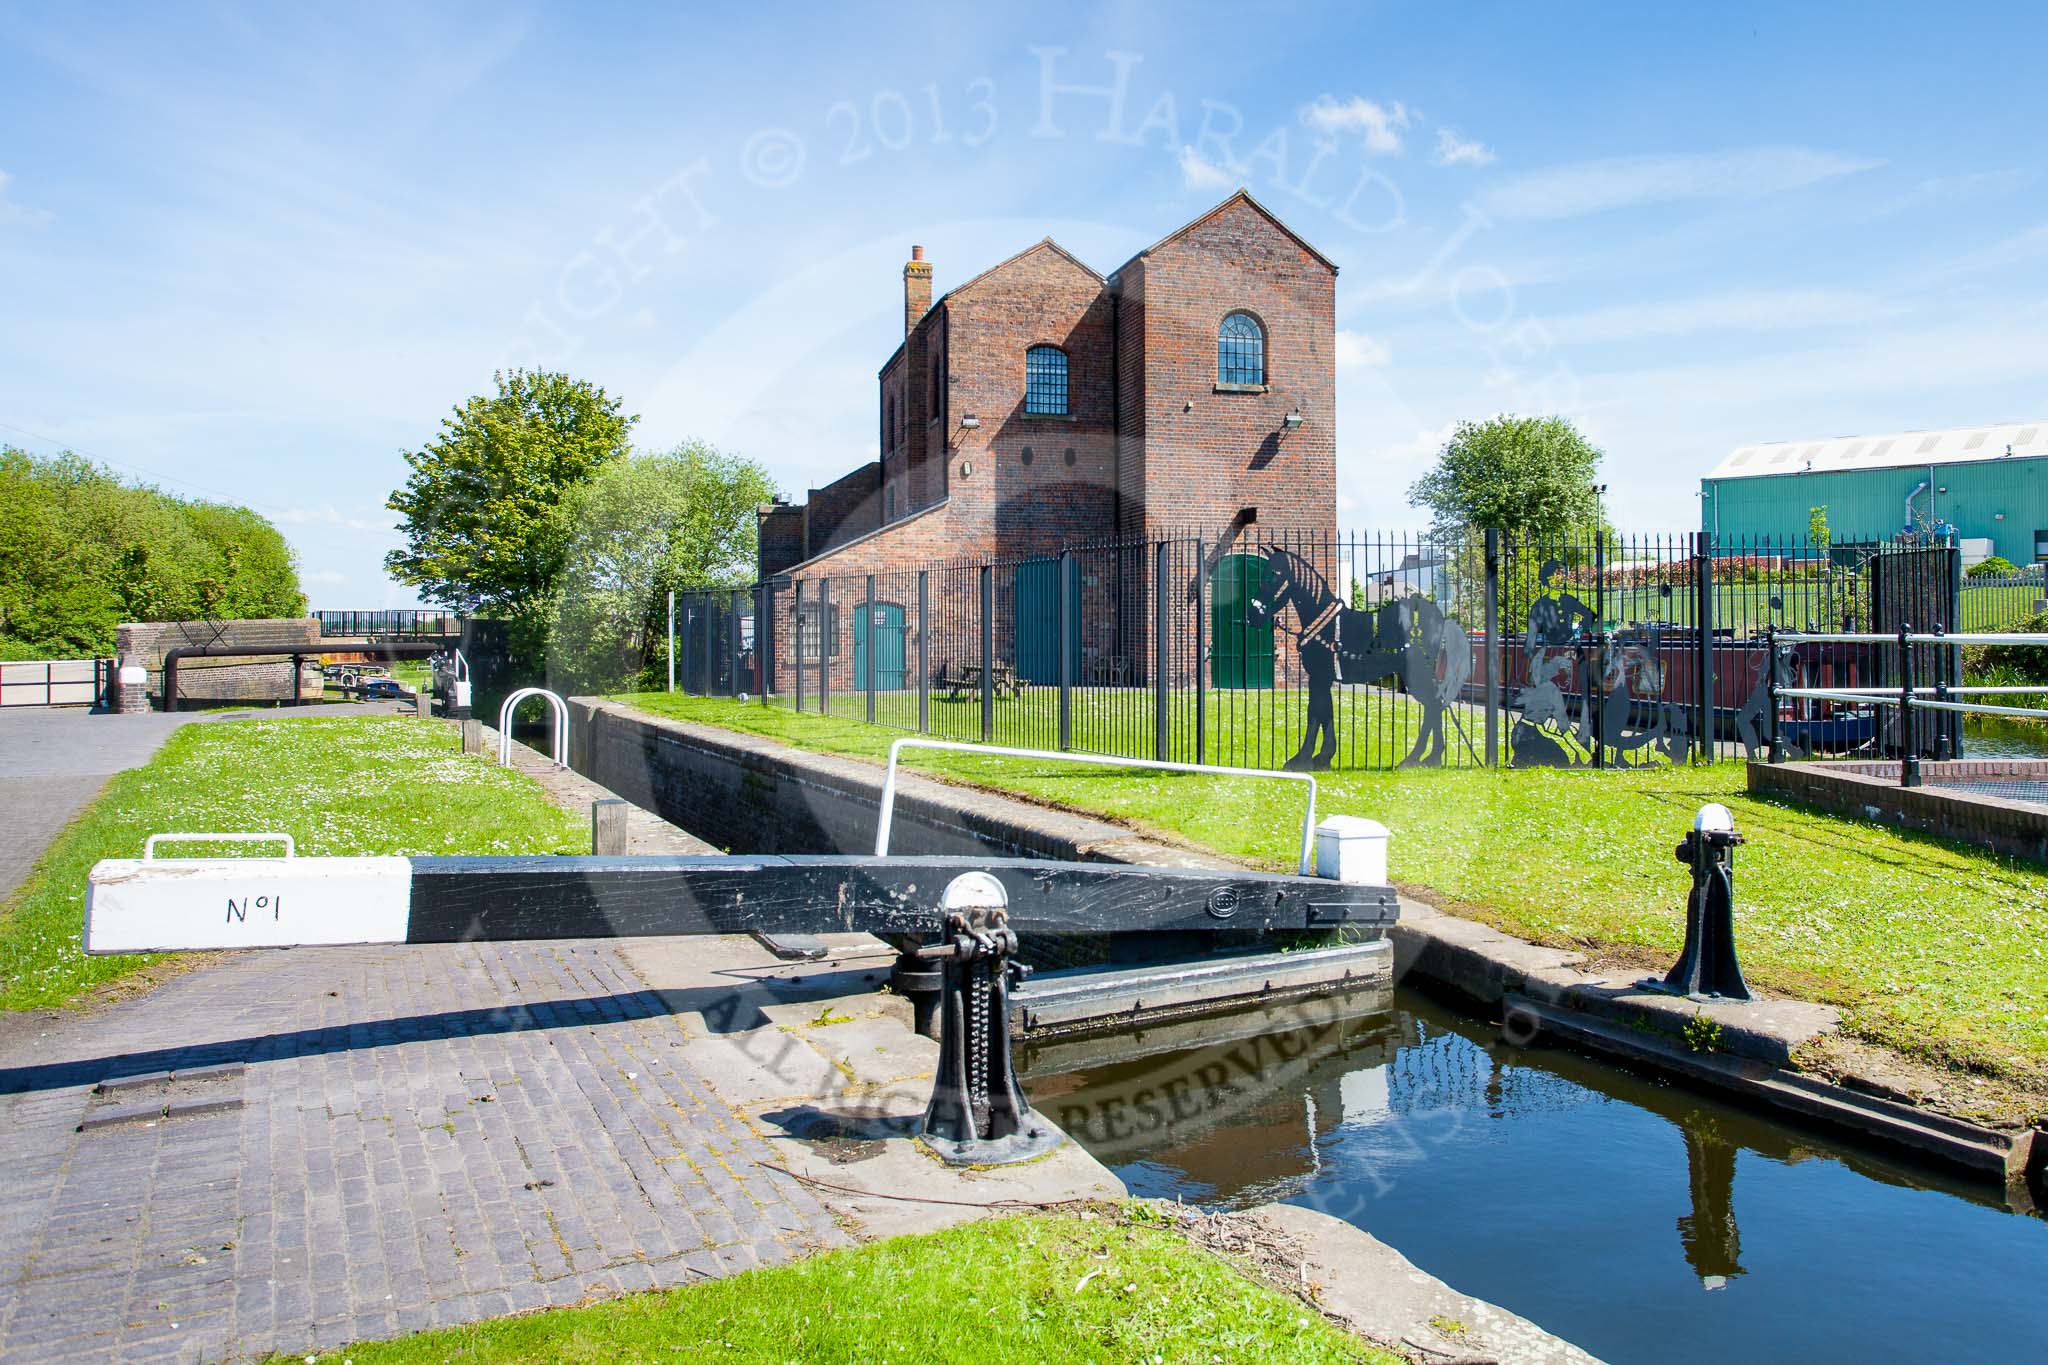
[(256, 252)]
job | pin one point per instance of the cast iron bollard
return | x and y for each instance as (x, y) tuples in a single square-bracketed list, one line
[(978, 1115), (1707, 969)]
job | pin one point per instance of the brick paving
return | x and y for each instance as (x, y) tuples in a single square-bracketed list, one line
[(424, 1136)]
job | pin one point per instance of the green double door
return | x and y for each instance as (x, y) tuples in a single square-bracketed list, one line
[(1037, 604), (879, 626), (1240, 652)]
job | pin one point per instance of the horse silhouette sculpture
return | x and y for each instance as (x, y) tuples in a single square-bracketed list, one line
[(1426, 654)]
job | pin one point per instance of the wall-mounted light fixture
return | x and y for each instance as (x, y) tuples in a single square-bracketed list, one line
[(1291, 420), (969, 422)]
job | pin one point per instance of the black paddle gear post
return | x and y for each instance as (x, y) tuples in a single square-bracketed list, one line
[(1707, 969), (978, 1115)]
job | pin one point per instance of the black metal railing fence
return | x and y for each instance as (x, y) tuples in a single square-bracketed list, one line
[(1352, 650)]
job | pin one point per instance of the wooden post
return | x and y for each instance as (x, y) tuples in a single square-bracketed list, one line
[(608, 826), (472, 736)]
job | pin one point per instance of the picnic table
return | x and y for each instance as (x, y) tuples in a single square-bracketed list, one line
[(956, 680)]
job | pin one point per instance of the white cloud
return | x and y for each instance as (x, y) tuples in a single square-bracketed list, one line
[(1380, 124), (1584, 187), (1198, 174), (327, 514), (1746, 310), (11, 212), (1452, 150), (1356, 348)]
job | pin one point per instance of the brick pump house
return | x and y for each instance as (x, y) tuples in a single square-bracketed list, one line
[(1040, 406)]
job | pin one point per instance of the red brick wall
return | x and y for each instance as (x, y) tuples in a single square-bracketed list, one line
[(847, 507), (1201, 454), (782, 537)]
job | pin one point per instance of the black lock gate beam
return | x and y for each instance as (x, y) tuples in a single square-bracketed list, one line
[(972, 908)]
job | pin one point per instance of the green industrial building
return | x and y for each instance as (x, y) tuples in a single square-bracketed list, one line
[(1988, 486)]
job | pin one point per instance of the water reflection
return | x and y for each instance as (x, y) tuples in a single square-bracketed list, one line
[(1712, 1242), (1597, 1203)]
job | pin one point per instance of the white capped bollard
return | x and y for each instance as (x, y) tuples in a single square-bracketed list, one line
[(1352, 849)]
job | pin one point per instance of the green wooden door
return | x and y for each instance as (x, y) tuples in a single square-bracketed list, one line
[(1037, 610), (879, 625), (1240, 653)]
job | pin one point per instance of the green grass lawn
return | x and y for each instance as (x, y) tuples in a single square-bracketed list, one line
[(1929, 947), (371, 784), (1042, 1287), (1246, 727)]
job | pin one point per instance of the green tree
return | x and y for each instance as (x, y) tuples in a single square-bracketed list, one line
[(642, 528), (81, 551), (479, 508), (1523, 476)]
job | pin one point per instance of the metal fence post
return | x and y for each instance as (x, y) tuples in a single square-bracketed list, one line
[(1064, 626), (1703, 619), (828, 640), (1201, 659), (988, 654), (1774, 746), (709, 610), (924, 658), (1495, 655), (1909, 742), (732, 625), (866, 627), (1162, 623), (671, 639), (797, 650), (1598, 691)]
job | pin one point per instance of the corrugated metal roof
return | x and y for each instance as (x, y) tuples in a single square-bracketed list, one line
[(1895, 450)]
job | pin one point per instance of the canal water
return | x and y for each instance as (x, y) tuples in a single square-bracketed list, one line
[(2003, 737), (1641, 1221)]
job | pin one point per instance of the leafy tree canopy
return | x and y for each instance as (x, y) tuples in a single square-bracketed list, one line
[(479, 510), (1525, 476), (82, 551), (640, 529)]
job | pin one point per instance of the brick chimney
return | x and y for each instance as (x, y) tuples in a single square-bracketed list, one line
[(917, 288)]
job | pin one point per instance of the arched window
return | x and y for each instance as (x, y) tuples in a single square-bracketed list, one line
[(1240, 350), (1045, 381)]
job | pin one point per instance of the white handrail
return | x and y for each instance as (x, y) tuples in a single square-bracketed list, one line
[(888, 812), (1867, 693), (1920, 703), (1913, 637), (291, 849), (558, 725)]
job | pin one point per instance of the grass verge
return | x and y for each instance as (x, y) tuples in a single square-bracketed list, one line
[(356, 785), (1930, 948), (1047, 1286)]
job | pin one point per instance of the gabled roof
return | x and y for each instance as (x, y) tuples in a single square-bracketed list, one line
[(1241, 197), (1042, 244), (1893, 450)]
